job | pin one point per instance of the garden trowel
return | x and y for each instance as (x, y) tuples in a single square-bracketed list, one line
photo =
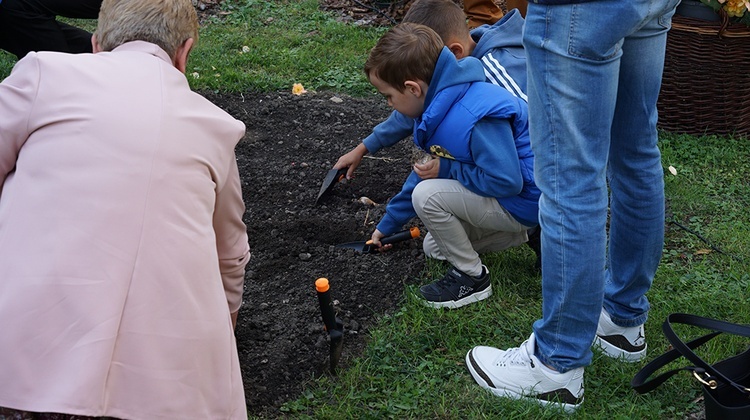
[(333, 325), (367, 247), (333, 176)]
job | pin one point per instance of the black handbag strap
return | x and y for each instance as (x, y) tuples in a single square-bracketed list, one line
[(710, 324), (640, 383)]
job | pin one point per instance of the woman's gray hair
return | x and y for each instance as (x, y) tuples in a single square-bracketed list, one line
[(166, 23)]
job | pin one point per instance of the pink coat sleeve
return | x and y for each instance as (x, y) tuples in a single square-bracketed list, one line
[(231, 236), (17, 94)]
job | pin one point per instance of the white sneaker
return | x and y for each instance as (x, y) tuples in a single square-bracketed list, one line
[(516, 373), (626, 343)]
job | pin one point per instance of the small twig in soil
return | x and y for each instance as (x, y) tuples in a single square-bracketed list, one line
[(386, 159), (367, 216)]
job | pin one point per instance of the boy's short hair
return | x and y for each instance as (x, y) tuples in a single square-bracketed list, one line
[(408, 51), (444, 17), (166, 23)]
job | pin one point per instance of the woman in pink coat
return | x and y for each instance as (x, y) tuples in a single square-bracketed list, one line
[(122, 245)]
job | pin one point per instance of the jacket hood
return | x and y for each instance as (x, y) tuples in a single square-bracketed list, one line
[(451, 72), (505, 33)]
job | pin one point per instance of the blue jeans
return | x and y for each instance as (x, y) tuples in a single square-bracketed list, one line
[(594, 77)]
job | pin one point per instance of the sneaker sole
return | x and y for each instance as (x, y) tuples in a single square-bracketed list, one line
[(479, 378), (618, 353), (454, 304)]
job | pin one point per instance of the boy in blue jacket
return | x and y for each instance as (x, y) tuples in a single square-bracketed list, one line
[(499, 48), (477, 193)]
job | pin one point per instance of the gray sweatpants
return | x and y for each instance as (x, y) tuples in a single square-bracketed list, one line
[(461, 224)]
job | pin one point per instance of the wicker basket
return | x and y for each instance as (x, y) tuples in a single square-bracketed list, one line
[(706, 83)]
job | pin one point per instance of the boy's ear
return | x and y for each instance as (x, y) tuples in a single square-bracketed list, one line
[(413, 87), (458, 50)]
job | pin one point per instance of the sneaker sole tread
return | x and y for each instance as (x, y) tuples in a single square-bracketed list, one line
[(615, 352), (455, 304)]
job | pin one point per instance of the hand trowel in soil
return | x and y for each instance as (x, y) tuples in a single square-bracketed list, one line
[(334, 327), (367, 247), (333, 176)]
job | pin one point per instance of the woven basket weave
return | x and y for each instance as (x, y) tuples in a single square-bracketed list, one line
[(706, 83)]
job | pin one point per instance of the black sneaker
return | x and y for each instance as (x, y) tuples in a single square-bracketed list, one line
[(535, 243), (457, 289)]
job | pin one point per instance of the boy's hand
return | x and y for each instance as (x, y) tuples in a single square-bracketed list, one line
[(376, 237), (351, 160), (428, 170)]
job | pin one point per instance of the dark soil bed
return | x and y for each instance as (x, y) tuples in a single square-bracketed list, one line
[(291, 143)]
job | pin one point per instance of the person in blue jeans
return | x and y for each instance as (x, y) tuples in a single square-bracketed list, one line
[(499, 47), (594, 77)]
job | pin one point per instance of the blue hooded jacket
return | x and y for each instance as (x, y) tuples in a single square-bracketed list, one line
[(500, 49), (482, 130)]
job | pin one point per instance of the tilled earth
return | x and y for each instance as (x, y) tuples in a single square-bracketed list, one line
[(291, 143)]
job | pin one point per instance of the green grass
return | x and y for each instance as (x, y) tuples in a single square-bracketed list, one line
[(255, 45), (7, 61), (263, 45), (413, 366)]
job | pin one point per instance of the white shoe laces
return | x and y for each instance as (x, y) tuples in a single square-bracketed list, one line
[(515, 356)]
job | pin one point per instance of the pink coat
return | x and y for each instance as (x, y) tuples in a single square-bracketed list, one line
[(122, 245)]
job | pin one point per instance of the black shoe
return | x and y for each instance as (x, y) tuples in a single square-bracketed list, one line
[(535, 243), (457, 289)]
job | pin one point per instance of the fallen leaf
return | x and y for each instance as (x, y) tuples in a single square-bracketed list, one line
[(703, 252), (195, 75)]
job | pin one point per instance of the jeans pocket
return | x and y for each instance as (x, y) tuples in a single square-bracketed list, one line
[(593, 34), (665, 20)]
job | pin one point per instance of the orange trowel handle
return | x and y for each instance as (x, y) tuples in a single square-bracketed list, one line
[(326, 304), (401, 236)]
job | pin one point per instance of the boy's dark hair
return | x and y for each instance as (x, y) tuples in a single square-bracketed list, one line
[(444, 17), (408, 51)]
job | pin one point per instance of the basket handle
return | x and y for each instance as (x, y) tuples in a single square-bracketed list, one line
[(724, 22)]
